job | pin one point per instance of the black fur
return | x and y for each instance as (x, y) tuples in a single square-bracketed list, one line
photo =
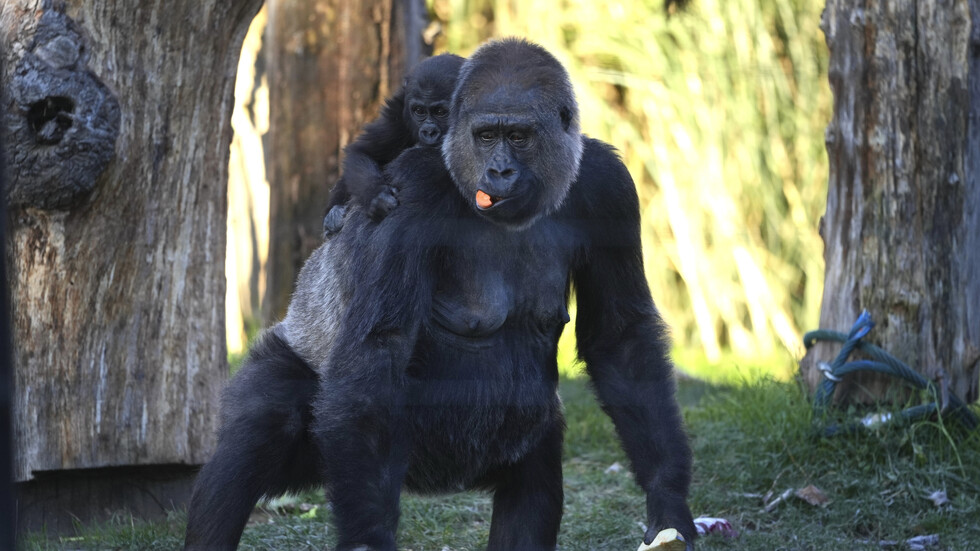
[(264, 445), (417, 114), (435, 333)]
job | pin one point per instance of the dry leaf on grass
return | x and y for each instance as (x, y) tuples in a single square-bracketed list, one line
[(813, 495)]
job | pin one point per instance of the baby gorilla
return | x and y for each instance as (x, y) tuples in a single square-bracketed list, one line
[(418, 114)]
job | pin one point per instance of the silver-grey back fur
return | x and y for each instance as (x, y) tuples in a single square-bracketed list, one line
[(319, 303)]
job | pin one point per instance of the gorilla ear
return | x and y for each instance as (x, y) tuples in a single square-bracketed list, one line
[(566, 117)]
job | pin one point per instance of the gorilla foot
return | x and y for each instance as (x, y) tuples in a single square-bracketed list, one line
[(334, 220), (383, 204)]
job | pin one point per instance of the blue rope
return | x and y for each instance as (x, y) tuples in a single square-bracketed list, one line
[(879, 362)]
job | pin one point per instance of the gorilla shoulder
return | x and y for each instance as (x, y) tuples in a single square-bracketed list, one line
[(604, 187)]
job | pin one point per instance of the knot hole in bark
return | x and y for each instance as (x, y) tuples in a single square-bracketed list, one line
[(63, 121), (50, 118)]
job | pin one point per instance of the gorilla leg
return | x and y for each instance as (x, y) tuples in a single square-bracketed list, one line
[(362, 433), (527, 502), (264, 446)]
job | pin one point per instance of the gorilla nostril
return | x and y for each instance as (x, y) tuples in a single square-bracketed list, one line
[(429, 136), (506, 174)]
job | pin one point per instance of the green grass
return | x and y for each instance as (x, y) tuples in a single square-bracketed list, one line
[(748, 440), (877, 480)]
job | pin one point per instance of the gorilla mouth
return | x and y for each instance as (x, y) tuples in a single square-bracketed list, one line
[(513, 211), (484, 200)]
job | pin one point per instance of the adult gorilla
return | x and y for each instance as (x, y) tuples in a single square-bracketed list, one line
[(434, 333)]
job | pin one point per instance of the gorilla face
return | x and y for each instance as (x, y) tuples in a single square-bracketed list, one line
[(427, 93), (427, 118), (514, 144)]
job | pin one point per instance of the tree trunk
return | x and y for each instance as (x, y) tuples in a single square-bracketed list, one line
[(7, 513), (118, 127), (331, 64), (902, 227)]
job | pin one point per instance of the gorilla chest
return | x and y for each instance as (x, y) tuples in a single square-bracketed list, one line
[(482, 382), (473, 304), (506, 283)]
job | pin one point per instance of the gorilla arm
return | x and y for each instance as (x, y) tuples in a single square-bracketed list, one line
[(624, 343), (364, 159), (355, 315)]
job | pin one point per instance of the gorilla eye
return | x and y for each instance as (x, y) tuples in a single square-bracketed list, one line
[(419, 110), (486, 136), (440, 112), (517, 138)]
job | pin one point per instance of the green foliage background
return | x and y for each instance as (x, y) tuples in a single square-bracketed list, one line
[(719, 112)]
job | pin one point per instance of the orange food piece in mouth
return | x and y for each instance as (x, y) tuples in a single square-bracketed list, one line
[(483, 200)]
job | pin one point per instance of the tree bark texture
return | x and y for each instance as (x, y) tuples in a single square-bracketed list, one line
[(331, 64), (7, 509), (118, 127), (902, 226)]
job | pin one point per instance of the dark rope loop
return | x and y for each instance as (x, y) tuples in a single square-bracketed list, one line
[(880, 362)]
